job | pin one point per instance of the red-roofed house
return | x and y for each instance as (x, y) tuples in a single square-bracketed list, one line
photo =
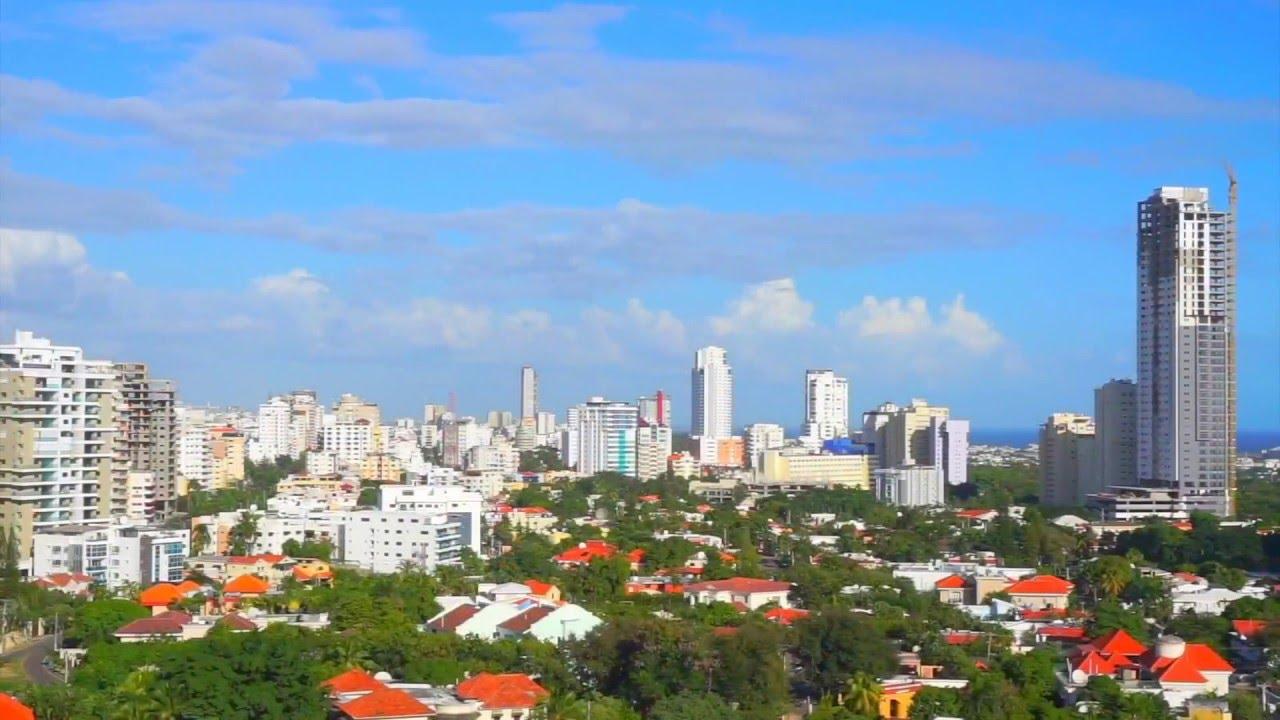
[(165, 626), (12, 709), (1250, 629), (385, 703), (1041, 592), (585, 552), (1176, 669), (70, 583), (502, 697), (448, 621), (962, 637), (159, 597), (1061, 634), (953, 590), (751, 592), (544, 590), (977, 517), (352, 681), (520, 624), (786, 616)]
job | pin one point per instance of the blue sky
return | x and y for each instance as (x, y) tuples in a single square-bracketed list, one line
[(937, 200)]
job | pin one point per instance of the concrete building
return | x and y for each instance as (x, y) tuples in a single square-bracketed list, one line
[(1186, 347), (58, 424), (463, 506), (761, 437), (653, 447), (1115, 411), (1068, 460), (350, 408), (322, 462), (794, 469), (655, 409), (382, 541), (826, 405), (381, 468), (274, 437), (141, 503), (149, 430), (226, 458), (910, 486), (919, 434), (528, 393), (712, 394), (460, 435), (114, 555), (349, 441), (500, 457), (607, 437), (195, 463)]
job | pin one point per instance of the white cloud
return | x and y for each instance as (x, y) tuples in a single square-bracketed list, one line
[(769, 307), (908, 323), (297, 284), (30, 251)]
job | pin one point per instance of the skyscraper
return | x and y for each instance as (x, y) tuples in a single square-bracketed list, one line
[(712, 393), (528, 393), (1116, 420), (607, 437), (826, 405), (1186, 346), (149, 431), (1067, 459)]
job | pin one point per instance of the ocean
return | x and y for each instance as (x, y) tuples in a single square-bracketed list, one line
[(1248, 441)]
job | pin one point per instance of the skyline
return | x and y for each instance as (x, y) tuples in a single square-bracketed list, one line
[(442, 221)]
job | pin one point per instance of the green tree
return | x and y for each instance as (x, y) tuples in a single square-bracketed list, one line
[(1245, 706), (693, 706), (834, 643), (749, 670), (97, 621), (933, 702), (244, 534), (1110, 573), (199, 539), (863, 695)]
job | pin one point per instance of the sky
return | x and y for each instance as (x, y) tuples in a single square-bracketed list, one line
[(936, 200)]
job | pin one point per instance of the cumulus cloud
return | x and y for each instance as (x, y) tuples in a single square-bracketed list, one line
[(909, 322), (33, 251), (769, 307), (297, 284)]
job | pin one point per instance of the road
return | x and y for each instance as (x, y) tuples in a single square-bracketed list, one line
[(30, 657)]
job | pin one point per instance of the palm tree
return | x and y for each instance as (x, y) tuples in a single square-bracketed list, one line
[(199, 538), (864, 695), (349, 655), (244, 533), (557, 706), (135, 697)]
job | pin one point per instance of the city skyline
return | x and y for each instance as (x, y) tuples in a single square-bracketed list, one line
[(904, 232)]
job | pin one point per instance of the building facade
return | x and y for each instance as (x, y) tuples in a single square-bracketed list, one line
[(1068, 460), (912, 486), (1115, 411), (761, 437), (712, 394), (826, 405), (607, 437), (653, 447), (1186, 346), (528, 393), (149, 430)]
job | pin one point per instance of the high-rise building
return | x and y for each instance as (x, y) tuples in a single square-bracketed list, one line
[(919, 434), (528, 393), (656, 409), (149, 430), (1186, 346), (911, 486), (274, 433), (1068, 467), (226, 455), (58, 424), (1115, 414), (607, 437), (712, 391), (761, 437), (826, 405), (653, 448)]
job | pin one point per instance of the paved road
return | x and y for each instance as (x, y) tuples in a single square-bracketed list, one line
[(30, 657)]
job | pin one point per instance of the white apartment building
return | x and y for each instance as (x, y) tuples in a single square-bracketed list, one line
[(58, 434), (293, 521), (460, 435), (712, 394), (1186, 346), (383, 541), (322, 462), (546, 423), (464, 507), (569, 438), (761, 437), (349, 441), (141, 490), (274, 436), (826, 405), (912, 486), (502, 457), (653, 447), (1068, 460), (114, 555), (607, 437), (1115, 410), (195, 463), (919, 434)]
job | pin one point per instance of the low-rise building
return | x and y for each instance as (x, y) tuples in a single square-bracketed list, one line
[(382, 541), (113, 555), (752, 593)]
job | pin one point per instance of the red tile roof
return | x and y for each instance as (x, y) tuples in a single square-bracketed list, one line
[(1094, 663), (739, 585), (786, 616), (537, 587), (975, 513), (1118, 642), (1041, 585), (354, 680), (951, 582), (522, 622), (506, 691), (237, 623), (12, 709), (962, 637), (450, 621), (169, 622), (1249, 629), (247, 585), (386, 702), (1062, 632), (588, 551)]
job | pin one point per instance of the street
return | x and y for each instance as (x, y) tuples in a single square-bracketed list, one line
[(30, 657)]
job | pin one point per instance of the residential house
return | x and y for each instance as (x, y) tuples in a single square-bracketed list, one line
[(752, 593), (167, 625), (509, 696), (78, 584), (1041, 592), (1174, 669)]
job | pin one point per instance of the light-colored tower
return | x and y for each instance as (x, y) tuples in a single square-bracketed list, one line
[(1186, 347), (58, 432), (761, 437), (712, 391), (528, 393), (1067, 459), (149, 431), (607, 437), (826, 405), (1115, 415)]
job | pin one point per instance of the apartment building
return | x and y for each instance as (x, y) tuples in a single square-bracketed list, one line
[(149, 430), (115, 555)]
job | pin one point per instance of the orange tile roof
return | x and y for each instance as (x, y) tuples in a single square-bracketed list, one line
[(354, 680), (507, 691), (951, 582), (186, 587), (386, 702), (786, 616), (1095, 664), (160, 595), (1118, 642), (588, 551), (1206, 658), (1041, 585), (247, 585), (12, 709), (537, 587), (1249, 629), (739, 585)]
